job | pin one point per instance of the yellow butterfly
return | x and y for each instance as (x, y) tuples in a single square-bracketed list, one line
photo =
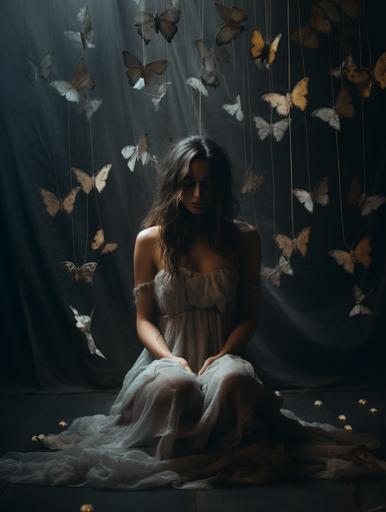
[(260, 51), (284, 102), (84, 273), (360, 254), (367, 204), (343, 108), (99, 243), (288, 245), (319, 194), (89, 182), (55, 204), (232, 28), (252, 183)]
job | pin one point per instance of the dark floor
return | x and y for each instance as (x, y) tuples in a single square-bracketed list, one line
[(25, 415)]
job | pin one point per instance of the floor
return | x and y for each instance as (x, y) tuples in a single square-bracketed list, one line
[(22, 416)]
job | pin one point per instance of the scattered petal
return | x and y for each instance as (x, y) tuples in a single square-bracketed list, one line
[(87, 507), (348, 428), (362, 401), (342, 417), (318, 403), (373, 410), (63, 424)]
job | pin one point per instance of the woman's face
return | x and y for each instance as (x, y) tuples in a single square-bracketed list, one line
[(197, 187)]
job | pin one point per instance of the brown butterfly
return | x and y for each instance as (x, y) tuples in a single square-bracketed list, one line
[(365, 78), (252, 183), (262, 52), (351, 8), (89, 182), (343, 108), (288, 245), (274, 274), (99, 243), (86, 37), (323, 14), (209, 59), (139, 75), (319, 194), (306, 36), (148, 24), (367, 204), (84, 273), (284, 102), (232, 28), (359, 255), (55, 204), (81, 83)]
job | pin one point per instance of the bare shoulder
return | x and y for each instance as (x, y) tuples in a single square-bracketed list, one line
[(146, 251), (149, 235)]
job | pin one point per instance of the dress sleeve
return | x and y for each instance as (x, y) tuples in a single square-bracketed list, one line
[(137, 290)]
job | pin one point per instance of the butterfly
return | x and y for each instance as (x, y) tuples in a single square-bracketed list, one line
[(86, 37), (319, 194), (99, 243), (232, 28), (343, 108), (235, 109), (322, 16), (209, 59), (197, 84), (288, 245), (363, 78), (43, 69), (55, 204), (367, 204), (139, 75), (359, 308), (359, 255), (260, 51), (83, 323), (284, 102), (252, 183), (88, 182), (78, 87), (351, 8), (166, 23), (84, 273), (274, 274), (306, 36), (138, 152), (157, 92), (89, 107), (277, 130)]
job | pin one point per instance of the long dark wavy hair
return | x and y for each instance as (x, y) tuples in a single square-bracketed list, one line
[(170, 214)]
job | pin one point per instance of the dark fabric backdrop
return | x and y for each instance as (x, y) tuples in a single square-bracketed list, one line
[(305, 337)]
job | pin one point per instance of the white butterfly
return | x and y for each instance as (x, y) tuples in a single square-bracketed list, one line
[(89, 107), (343, 108), (86, 37), (157, 92), (274, 274), (43, 69), (235, 109), (83, 323), (265, 128), (319, 194), (138, 152), (359, 309), (197, 84), (88, 182)]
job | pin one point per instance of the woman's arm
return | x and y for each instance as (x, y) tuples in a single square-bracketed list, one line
[(144, 271), (248, 297)]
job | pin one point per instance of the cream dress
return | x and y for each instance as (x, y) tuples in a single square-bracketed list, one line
[(171, 427)]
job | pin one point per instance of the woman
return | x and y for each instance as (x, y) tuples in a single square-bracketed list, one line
[(192, 411)]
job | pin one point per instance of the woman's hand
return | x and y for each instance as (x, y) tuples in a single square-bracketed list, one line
[(209, 361), (182, 362)]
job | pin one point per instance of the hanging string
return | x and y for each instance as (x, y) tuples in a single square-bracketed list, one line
[(200, 96), (366, 27), (337, 149), (306, 136), (363, 138), (290, 121)]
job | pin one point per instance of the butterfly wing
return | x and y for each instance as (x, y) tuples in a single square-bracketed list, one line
[(45, 66), (328, 115), (358, 309), (362, 252), (279, 128), (69, 200), (343, 258), (344, 106), (257, 45), (302, 240), (299, 93), (66, 89), (285, 266), (319, 20), (153, 70), (372, 203), (231, 14), (307, 37), (272, 274), (235, 109), (197, 84), (82, 80), (50, 201), (72, 269), (280, 102), (98, 240), (144, 23), (263, 127), (228, 33), (208, 67), (319, 193), (285, 244), (380, 71), (101, 177), (272, 49), (89, 107), (252, 184), (168, 23), (134, 67), (131, 154), (85, 181), (86, 272), (304, 198), (143, 154)]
